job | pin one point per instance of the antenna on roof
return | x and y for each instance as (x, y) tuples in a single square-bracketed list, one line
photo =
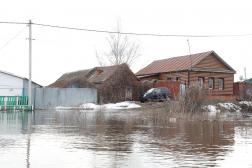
[(245, 73), (190, 54)]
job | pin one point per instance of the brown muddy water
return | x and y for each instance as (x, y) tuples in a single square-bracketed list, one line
[(133, 138)]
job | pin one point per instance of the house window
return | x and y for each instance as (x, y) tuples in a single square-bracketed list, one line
[(169, 78), (177, 78), (201, 81), (221, 83), (210, 83)]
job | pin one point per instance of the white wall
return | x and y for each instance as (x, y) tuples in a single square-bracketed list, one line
[(10, 85)]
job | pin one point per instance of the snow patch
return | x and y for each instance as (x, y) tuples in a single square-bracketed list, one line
[(122, 105), (211, 109), (230, 106), (89, 106), (92, 106), (248, 103)]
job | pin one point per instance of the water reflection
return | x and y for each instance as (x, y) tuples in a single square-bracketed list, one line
[(121, 139)]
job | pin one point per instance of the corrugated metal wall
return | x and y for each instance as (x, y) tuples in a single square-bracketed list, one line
[(49, 98)]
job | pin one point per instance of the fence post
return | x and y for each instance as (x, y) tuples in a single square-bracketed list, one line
[(5, 103), (17, 100)]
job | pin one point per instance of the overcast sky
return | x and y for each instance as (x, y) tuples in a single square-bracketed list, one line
[(56, 51)]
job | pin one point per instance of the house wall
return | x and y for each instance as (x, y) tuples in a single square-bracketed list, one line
[(183, 78), (10, 85), (183, 75), (150, 78), (194, 76), (26, 85), (115, 88), (228, 82), (211, 62)]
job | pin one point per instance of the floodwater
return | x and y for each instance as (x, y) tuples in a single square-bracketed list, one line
[(142, 139)]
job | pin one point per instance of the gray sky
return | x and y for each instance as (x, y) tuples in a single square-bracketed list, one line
[(56, 51)]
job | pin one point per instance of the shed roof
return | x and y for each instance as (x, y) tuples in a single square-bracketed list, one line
[(91, 77), (178, 63)]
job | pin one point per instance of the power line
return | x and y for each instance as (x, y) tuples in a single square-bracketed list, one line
[(131, 33), (13, 23), (140, 34), (12, 38)]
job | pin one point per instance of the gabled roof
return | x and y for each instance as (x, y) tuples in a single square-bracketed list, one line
[(178, 63), (88, 77), (11, 74), (20, 77)]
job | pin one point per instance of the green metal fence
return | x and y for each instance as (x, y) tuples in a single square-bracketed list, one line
[(8, 103)]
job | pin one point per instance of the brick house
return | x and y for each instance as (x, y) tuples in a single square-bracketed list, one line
[(208, 69)]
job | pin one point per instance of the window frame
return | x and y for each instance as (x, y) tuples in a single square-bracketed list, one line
[(219, 83), (211, 79), (201, 82)]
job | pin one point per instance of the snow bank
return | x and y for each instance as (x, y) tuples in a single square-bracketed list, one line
[(248, 103), (122, 105), (92, 106), (89, 106), (211, 108), (230, 106)]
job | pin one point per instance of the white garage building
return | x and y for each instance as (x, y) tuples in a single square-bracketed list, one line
[(13, 85)]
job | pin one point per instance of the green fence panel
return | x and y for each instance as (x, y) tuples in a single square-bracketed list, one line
[(1, 100)]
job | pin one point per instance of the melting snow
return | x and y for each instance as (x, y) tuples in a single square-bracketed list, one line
[(226, 106), (212, 109), (92, 106), (248, 103), (122, 105), (230, 106)]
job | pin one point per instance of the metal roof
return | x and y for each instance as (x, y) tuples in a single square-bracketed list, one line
[(16, 76), (178, 63), (96, 75)]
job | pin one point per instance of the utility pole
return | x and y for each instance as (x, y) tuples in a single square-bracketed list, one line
[(30, 64)]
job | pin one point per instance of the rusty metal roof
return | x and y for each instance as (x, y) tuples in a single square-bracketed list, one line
[(177, 63), (88, 77)]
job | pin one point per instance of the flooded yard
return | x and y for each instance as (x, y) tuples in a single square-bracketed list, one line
[(124, 138)]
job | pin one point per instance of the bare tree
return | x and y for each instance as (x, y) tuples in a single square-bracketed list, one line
[(121, 50)]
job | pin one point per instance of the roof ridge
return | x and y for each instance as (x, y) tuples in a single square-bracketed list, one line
[(211, 51), (176, 63), (12, 74)]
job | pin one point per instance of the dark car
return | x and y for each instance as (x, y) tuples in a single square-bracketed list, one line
[(156, 94)]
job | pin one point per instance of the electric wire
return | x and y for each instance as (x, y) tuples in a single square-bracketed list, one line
[(140, 34), (131, 33), (13, 22), (12, 38)]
